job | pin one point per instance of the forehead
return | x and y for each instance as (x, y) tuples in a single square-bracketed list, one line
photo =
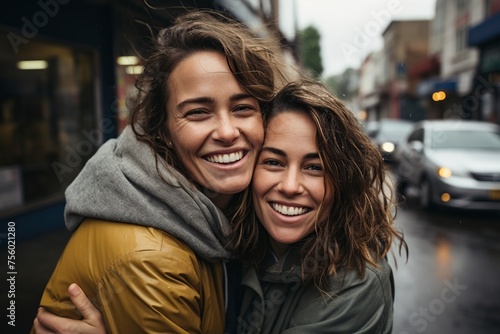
[(292, 131), (199, 65), (203, 74), (291, 123)]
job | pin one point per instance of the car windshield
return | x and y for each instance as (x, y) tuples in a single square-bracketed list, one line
[(487, 140), (394, 130)]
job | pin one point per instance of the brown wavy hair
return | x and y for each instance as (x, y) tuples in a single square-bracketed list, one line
[(254, 60), (360, 228)]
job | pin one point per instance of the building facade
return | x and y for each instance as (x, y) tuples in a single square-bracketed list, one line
[(485, 37), (405, 44), (447, 67)]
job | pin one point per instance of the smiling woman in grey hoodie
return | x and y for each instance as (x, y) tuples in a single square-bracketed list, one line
[(315, 244), (149, 208)]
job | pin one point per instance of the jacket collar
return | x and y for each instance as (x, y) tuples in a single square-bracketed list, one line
[(284, 269)]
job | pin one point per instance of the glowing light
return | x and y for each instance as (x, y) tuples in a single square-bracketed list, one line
[(362, 115), (388, 147), (444, 172), (134, 69), (445, 197), (127, 60), (32, 65), (438, 96)]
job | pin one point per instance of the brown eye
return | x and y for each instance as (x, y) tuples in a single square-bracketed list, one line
[(315, 167), (195, 113), (271, 162)]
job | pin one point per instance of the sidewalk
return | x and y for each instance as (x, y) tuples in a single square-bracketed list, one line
[(35, 258)]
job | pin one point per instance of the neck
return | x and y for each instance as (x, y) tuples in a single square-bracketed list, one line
[(279, 249), (220, 200)]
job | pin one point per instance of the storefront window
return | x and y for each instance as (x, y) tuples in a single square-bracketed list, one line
[(47, 111)]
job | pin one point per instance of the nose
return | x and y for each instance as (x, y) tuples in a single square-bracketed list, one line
[(290, 183), (227, 130)]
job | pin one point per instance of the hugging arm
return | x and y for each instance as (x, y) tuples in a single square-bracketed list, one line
[(152, 292), (92, 322), (145, 292)]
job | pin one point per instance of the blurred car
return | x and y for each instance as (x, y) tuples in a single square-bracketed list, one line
[(369, 127), (453, 164), (388, 134)]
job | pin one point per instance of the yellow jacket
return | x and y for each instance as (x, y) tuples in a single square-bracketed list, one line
[(142, 279)]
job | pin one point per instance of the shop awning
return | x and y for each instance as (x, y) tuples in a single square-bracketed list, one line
[(427, 87), (486, 31), (449, 85)]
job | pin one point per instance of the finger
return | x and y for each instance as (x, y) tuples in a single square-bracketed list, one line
[(39, 328), (82, 303)]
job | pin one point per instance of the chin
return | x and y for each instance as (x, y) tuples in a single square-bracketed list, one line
[(285, 240), (226, 190), (231, 188)]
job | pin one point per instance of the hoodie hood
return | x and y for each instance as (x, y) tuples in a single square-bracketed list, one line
[(121, 183)]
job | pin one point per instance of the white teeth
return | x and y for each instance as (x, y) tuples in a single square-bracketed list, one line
[(289, 210), (226, 158)]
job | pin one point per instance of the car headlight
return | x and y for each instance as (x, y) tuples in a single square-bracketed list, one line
[(387, 147), (446, 172)]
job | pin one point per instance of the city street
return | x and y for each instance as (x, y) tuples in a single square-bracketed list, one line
[(450, 283)]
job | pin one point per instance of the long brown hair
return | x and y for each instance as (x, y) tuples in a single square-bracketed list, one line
[(360, 228)]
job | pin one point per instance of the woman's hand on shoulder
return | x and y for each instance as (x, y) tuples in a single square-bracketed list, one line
[(92, 322)]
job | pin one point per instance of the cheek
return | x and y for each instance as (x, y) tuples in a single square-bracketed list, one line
[(327, 201), (183, 136), (317, 190), (328, 194), (258, 181), (257, 203), (255, 131), (262, 183)]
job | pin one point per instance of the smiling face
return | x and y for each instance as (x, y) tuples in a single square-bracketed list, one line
[(215, 126), (288, 183)]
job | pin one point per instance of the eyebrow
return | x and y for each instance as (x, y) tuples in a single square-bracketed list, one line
[(277, 151), (200, 100), (206, 99)]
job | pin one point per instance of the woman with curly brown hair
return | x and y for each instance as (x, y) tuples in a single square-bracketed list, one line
[(149, 209), (316, 243)]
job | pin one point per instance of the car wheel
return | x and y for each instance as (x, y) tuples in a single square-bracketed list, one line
[(426, 195)]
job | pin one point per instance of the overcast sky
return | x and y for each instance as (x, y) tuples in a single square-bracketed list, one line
[(350, 29)]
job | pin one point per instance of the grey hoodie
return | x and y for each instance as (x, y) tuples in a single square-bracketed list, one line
[(121, 183)]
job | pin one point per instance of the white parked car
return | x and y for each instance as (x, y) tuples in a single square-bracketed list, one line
[(453, 163)]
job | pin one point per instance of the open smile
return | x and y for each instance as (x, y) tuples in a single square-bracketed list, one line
[(289, 210), (225, 158)]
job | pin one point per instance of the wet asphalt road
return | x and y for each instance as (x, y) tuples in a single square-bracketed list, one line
[(451, 282)]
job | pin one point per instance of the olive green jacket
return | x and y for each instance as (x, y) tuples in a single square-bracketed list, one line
[(279, 303)]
